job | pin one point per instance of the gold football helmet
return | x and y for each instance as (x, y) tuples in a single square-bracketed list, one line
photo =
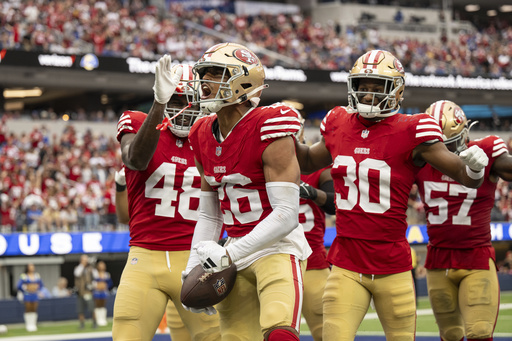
[(453, 122), (180, 113), (242, 76), (381, 66)]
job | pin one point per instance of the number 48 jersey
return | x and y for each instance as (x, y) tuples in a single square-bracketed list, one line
[(373, 172), (163, 200), (458, 217)]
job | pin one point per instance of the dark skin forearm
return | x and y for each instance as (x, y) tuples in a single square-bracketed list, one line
[(138, 149)]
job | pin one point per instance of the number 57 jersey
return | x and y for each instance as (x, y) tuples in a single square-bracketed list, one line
[(373, 172), (163, 199), (458, 217)]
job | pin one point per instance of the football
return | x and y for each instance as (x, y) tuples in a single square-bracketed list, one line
[(202, 289)]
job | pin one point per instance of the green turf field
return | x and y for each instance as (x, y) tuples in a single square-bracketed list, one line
[(425, 323)]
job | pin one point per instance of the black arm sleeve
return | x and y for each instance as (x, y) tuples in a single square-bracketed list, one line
[(329, 207)]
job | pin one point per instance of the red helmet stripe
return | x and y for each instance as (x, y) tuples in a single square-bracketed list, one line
[(437, 112), (372, 59)]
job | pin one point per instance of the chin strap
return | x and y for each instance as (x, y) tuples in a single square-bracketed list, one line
[(361, 106)]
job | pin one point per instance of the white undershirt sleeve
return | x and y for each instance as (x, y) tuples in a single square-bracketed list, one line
[(208, 226)]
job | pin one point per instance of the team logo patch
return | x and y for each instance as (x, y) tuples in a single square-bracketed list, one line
[(220, 286), (364, 133), (218, 151), (368, 71), (134, 261), (179, 143), (245, 56)]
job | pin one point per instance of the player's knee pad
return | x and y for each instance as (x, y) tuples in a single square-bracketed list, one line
[(442, 301), (452, 334), (276, 312), (281, 335), (479, 330)]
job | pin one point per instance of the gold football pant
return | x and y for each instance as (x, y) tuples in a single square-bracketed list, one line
[(312, 309), (149, 280), (464, 300), (266, 295), (347, 298)]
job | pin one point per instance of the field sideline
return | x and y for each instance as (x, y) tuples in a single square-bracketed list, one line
[(370, 329)]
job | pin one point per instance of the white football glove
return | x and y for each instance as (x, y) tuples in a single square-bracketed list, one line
[(120, 177), (165, 81), (213, 257), (206, 310), (475, 158)]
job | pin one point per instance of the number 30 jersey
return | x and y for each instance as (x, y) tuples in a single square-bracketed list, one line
[(458, 217), (234, 168), (163, 200), (373, 172)]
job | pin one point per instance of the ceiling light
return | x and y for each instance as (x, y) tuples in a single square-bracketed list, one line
[(505, 8), (22, 93), (492, 13), (472, 8)]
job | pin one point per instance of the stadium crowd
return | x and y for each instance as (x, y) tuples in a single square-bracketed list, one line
[(50, 183), (131, 28), (66, 183)]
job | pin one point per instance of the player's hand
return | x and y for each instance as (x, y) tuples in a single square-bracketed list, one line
[(165, 81), (120, 177), (307, 191), (475, 158), (206, 310), (213, 257)]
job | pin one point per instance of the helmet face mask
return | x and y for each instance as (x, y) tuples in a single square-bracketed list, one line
[(376, 67), (454, 124), (238, 77), (180, 123)]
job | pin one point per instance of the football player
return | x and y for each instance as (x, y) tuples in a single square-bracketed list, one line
[(250, 184), (317, 198), (375, 153), (172, 319), (162, 184), (461, 263)]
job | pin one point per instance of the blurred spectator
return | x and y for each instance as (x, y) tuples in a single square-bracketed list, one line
[(83, 283), (61, 289), (506, 265), (399, 17)]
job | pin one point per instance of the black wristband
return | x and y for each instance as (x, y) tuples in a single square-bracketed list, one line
[(120, 188)]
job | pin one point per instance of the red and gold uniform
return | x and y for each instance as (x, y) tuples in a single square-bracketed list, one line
[(163, 202), (461, 271), (269, 282), (312, 218), (373, 172)]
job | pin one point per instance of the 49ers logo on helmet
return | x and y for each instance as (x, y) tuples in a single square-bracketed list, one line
[(458, 116), (245, 56), (398, 66)]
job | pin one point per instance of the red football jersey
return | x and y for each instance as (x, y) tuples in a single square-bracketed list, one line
[(373, 173), (163, 200), (458, 217), (312, 218), (234, 168)]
